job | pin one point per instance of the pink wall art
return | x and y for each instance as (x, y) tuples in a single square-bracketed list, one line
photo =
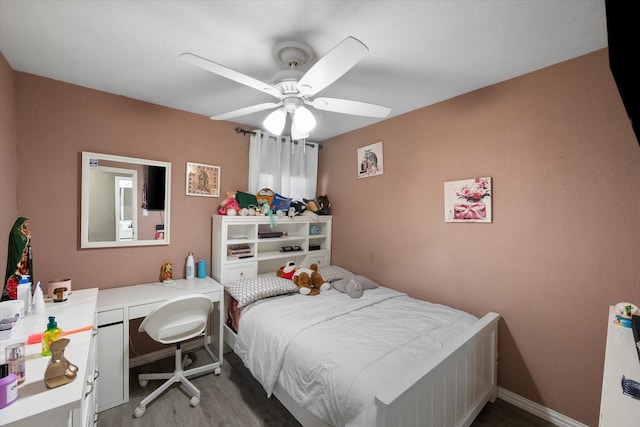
[(468, 200)]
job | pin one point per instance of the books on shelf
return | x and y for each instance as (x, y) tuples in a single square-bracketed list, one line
[(239, 251), (249, 255)]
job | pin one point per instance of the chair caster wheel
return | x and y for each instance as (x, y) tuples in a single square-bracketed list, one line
[(216, 371), (195, 401), (143, 383), (139, 412)]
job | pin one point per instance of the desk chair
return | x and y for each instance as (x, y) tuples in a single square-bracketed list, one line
[(174, 321)]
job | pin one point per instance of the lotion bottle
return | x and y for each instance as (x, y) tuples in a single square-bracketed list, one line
[(190, 266), (8, 386), (52, 333)]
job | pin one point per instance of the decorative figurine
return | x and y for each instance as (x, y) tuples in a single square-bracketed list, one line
[(166, 272), (19, 258)]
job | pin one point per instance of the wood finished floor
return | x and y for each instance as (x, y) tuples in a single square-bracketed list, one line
[(235, 398)]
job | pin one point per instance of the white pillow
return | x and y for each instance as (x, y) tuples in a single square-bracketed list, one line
[(331, 273), (246, 291)]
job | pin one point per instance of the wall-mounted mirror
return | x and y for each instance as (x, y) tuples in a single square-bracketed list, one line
[(125, 201)]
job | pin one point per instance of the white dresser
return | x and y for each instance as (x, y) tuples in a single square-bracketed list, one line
[(617, 409), (72, 404)]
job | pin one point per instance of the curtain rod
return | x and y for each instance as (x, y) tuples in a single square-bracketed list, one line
[(246, 131)]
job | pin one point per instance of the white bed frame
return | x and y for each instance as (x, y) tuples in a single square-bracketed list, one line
[(449, 389)]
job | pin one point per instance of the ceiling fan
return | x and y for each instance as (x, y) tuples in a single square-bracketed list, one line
[(295, 89)]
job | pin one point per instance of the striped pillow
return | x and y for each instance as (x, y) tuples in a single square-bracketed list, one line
[(249, 290), (331, 273)]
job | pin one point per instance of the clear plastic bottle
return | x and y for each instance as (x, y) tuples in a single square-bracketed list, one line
[(14, 356), (52, 333), (24, 293), (190, 266)]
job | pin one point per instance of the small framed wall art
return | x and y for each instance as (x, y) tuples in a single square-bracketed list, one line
[(468, 200), (370, 160), (203, 180)]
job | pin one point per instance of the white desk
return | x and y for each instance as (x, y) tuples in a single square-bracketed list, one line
[(617, 409), (116, 306)]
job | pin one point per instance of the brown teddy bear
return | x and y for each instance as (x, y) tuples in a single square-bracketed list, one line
[(308, 280)]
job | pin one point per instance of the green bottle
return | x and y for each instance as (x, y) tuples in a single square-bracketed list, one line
[(50, 335)]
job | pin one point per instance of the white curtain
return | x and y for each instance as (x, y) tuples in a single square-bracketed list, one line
[(290, 168)]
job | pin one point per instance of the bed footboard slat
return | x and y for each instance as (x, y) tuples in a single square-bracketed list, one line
[(451, 388)]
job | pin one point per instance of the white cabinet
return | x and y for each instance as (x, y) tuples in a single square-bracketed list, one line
[(243, 246), (87, 414), (111, 388), (621, 358)]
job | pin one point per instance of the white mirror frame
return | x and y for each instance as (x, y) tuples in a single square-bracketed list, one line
[(87, 159)]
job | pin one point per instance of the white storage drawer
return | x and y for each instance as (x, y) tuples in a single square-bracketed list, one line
[(321, 258), (241, 271), (110, 316)]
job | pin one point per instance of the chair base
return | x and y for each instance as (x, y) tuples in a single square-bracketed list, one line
[(178, 375)]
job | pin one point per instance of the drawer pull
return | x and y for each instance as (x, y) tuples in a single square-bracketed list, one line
[(91, 385)]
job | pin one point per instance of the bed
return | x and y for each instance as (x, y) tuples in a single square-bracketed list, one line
[(383, 359)]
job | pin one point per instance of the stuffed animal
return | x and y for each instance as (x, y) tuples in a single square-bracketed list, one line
[(308, 280), (229, 205), (324, 206), (297, 208), (354, 285), (311, 205), (287, 270)]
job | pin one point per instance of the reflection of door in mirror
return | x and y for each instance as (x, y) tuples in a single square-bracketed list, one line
[(103, 224), (125, 207)]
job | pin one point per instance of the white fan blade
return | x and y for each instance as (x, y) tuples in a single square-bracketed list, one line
[(332, 66), (230, 74), (246, 110), (346, 106)]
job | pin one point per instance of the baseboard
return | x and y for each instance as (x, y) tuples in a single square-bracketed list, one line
[(143, 359), (538, 410)]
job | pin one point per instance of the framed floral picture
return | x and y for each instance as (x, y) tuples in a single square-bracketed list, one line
[(370, 161), (468, 200), (203, 180)]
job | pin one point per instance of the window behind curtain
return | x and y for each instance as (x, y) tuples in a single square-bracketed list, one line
[(290, 168)]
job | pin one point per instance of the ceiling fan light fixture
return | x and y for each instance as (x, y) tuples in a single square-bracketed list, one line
[(275, 121), (303, 120), (296, 134)]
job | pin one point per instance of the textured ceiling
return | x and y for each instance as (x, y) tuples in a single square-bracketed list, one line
[(420, 52)]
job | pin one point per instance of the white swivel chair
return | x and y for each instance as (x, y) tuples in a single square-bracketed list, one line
[(173, 322)]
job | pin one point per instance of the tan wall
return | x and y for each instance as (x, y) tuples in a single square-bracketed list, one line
[(8, 159), (565, 237), (57, 121), (562, 247)]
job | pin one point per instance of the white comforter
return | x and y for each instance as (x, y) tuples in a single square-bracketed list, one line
[(333, 353)]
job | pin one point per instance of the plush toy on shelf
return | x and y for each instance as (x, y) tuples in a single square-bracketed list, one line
[(229, 205), (324, 205)]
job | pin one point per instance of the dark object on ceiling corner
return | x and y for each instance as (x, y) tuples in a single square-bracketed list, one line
[(623, 33)]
